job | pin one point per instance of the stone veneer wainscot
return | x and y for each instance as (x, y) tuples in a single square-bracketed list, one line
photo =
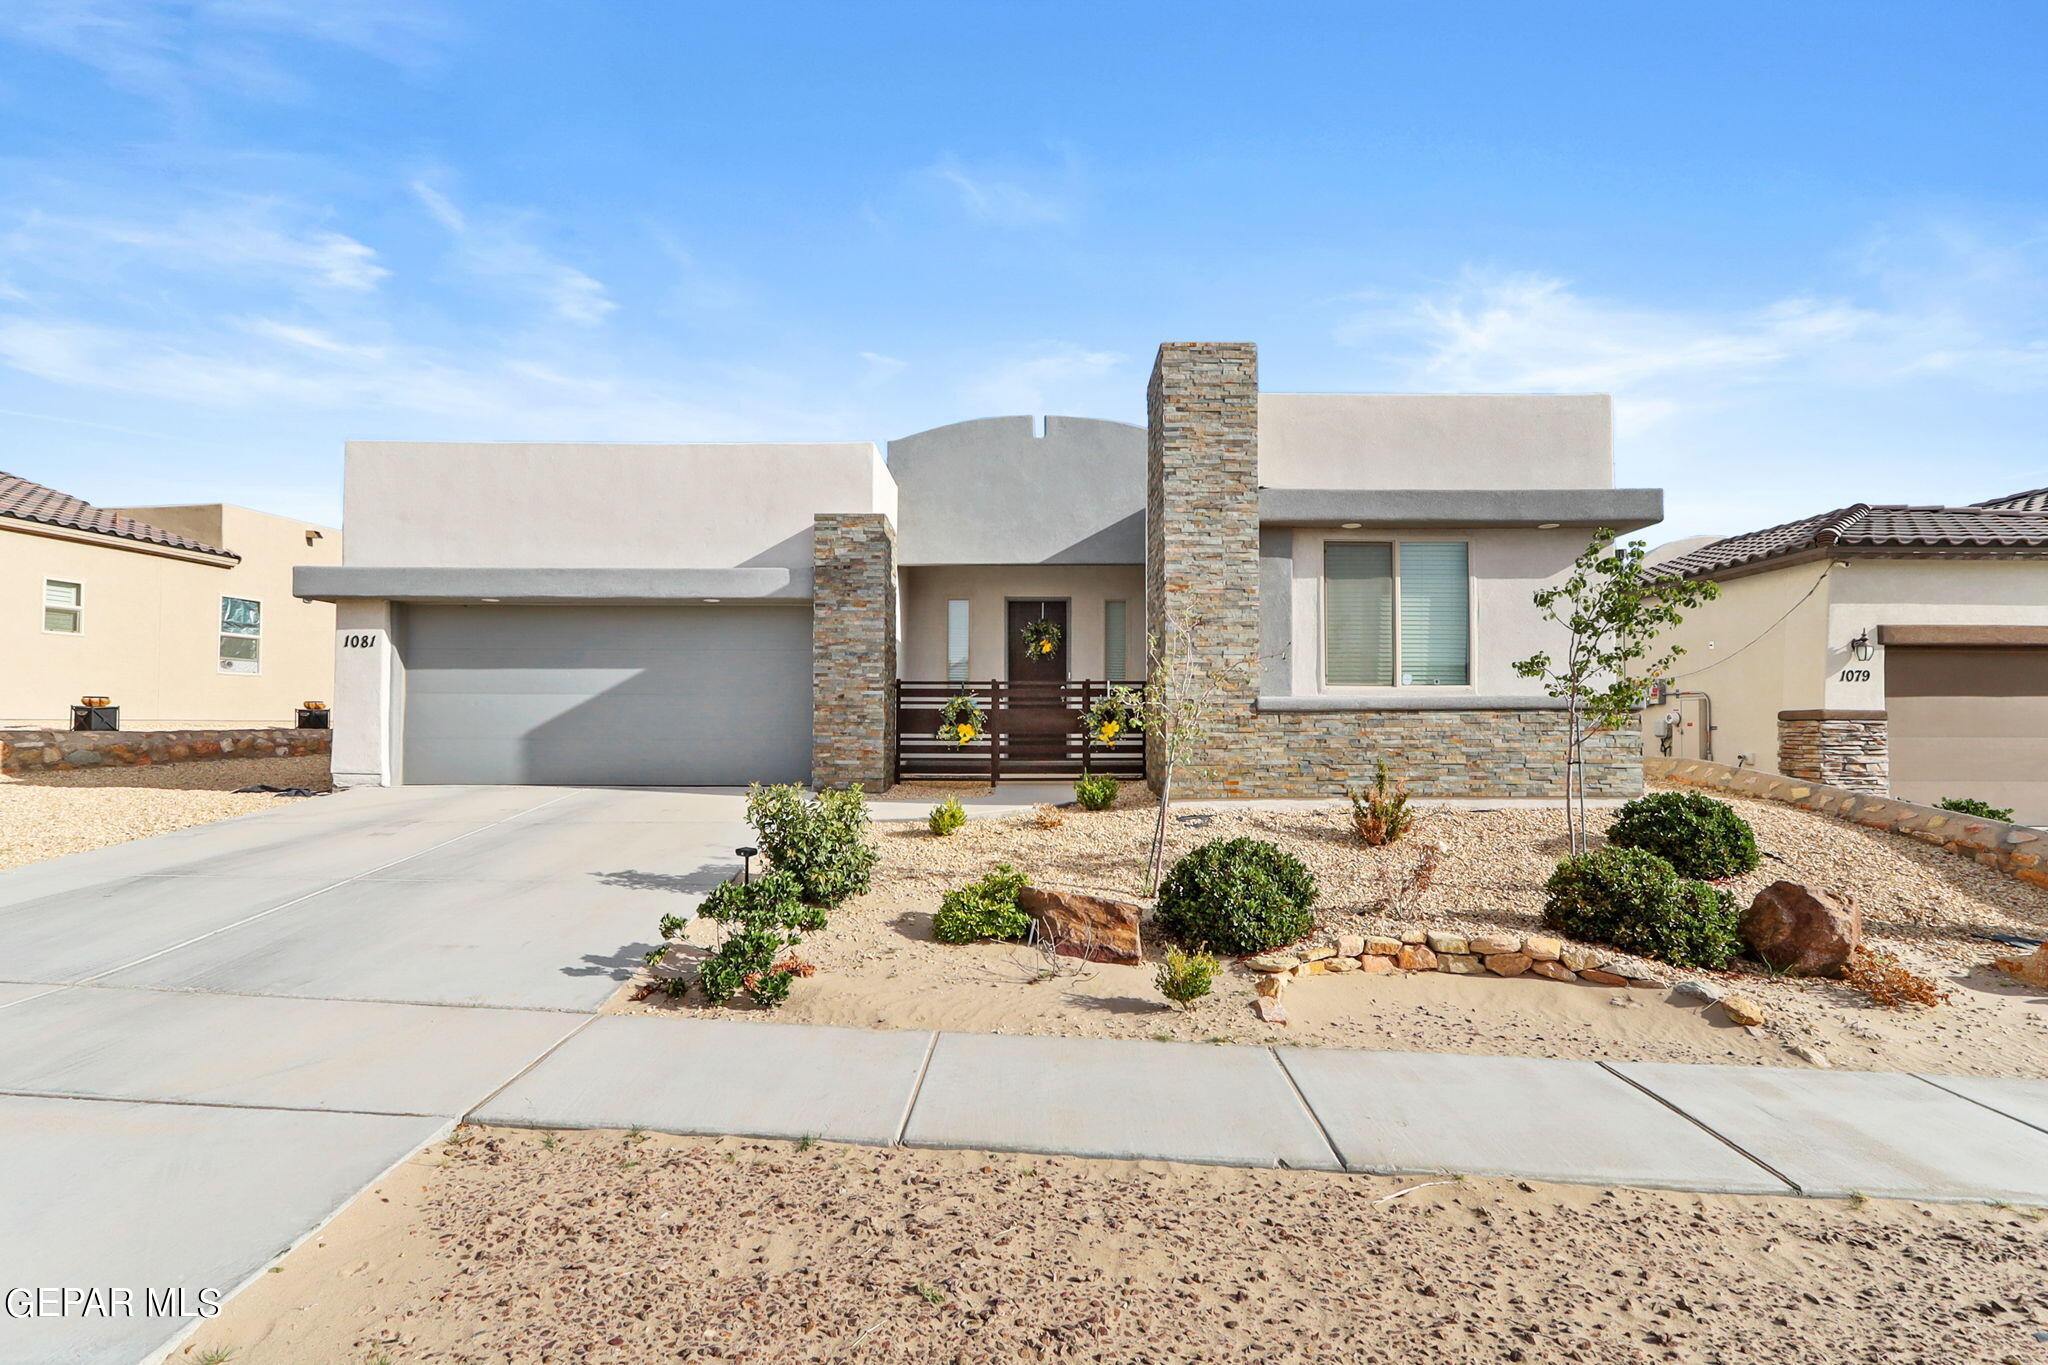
[(1841, 748), (1202, 575), (853, 649)]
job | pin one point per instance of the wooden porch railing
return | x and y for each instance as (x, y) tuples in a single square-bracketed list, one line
[(1033, 731)]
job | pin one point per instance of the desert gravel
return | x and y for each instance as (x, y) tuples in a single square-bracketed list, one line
[(879, 967), (610, 1248), (49, 816)]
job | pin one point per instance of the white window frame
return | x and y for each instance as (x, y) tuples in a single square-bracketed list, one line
[(221, 632), (79, 610), (1394, 540)]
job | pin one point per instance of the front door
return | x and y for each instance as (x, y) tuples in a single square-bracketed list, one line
[(1029, 662)]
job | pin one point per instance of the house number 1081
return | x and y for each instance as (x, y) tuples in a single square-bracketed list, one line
[(1855, 675), (358, 642)]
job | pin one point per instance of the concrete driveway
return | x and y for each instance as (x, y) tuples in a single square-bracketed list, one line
[(211, 1040)]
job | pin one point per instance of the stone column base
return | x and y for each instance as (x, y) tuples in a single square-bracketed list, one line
[(1841, 748)]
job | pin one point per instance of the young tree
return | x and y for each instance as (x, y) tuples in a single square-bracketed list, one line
[(1614, 614), (1184, 692)]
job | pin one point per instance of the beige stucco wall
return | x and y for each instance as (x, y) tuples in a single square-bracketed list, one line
[(1439, 441), (1507, 567), (926, 589), (1869, 593), (151, 623)]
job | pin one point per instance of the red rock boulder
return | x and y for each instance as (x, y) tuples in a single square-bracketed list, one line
[(1090, 927), (1800, 931)]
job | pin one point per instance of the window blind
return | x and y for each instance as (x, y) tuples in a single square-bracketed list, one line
[(60, 607), (956, 640), (1435, 615), (1358, 614), (1114, 640)]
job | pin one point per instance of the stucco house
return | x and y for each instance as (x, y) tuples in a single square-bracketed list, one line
[(183, 616), (1879, 647), (1357, 568)]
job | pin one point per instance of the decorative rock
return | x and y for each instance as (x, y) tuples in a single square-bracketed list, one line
[(1318, 953), (1706, 992), (1350, 945), (1375, 962), (1493, 945), (1743, 1010), (1461, 964), (1271, 1010), (1413, 936), (1341, 964), (1381, 947), (1316, 967), (2032, 969), (1414, 959), (1092, 928), (1600, 978), (1811, 1055), (1541, 949), (1578, 959), (1272, 987), (1556, 971), (1800, 931), (1507, 964), (1273, 962), (1440, 942)]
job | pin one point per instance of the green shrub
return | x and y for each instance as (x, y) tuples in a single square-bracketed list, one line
[(985, 910), (1970, 805), (761, 918), (772, 900), (1237, 896), (1184, 977), (1095, 793), (1638, 902), (1696, 834), (821, 841), (946, 817)]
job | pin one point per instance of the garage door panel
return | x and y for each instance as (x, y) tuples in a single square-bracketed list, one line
[(665, 696), (1969, 722)]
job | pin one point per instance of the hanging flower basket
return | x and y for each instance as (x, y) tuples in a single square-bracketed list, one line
[(1041, 638), (961, 721), (1116, 715)]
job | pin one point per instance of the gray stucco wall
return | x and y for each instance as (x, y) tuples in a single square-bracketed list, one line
[(995, 492)]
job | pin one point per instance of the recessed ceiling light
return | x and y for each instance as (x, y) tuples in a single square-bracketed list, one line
[(490, 599), (1546, 526), (1352, 525), (714, 599)]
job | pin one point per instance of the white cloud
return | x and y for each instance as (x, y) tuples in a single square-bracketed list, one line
[(881, 368), (238, 237), (1003, 196), (1043, 381), (497, 248)]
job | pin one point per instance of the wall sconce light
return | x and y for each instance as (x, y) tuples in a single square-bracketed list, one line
[(1862, 647)]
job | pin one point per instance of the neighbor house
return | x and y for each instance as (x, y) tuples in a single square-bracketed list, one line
[(1880, 647), (183, 616), (1353, 571)]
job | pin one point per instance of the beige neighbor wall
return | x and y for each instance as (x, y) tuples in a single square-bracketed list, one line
[(151, 622), (927, 589), (1751, 664), (1439, 441)]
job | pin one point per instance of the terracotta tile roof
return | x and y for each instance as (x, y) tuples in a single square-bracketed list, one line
[(2033, 500), (1868, 526), (25, 500)]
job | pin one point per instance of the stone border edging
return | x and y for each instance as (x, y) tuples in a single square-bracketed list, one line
[(2008, 848), (30, 751)]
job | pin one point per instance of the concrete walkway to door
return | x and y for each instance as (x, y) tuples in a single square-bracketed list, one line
[(211, 1040)]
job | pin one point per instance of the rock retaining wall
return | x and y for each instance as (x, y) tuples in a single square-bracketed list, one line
[(2012, 849), (29, 751)]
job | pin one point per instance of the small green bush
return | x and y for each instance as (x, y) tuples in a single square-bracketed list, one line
[(985, 910), (773, 900), (1237, 896), (946, 817), (1696, 834), (1638, 902), (761, 918), (821, 841), (1970, 805), (1095, 793), (1185, 977)]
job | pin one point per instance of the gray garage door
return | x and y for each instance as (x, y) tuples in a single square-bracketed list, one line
[(1970, 722), (607, 696)]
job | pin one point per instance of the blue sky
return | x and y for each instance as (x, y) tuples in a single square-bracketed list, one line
[(1805, 246)]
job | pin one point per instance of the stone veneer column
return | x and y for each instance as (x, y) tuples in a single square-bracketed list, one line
[(1841, 748), (1202, 538), (853, 650)]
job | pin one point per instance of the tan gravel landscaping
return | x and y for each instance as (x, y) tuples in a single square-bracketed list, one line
[(878, 966), (610, 1248), (50, 815)]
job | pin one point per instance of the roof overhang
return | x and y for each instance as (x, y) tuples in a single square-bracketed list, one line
[(442, 583), (1617, 509), (219, 559), (1963, 637), (1814, 554)]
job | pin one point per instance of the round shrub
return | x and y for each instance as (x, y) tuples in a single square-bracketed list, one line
[(1636, 901), (946, 817), (985, 910), (1237, 896), (1095, 793), (1696, 834)]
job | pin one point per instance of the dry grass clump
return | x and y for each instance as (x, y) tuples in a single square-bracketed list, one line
[(1047, 816), (1890, 983)]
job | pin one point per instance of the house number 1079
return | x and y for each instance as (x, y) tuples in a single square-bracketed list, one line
[(1855, 675)]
